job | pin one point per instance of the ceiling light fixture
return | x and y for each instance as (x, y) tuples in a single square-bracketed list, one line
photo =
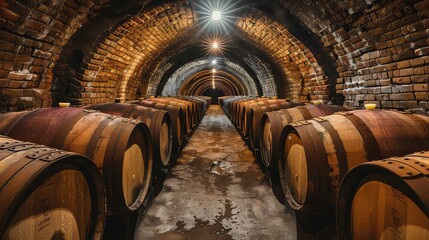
[(216, 15), (215, 45)]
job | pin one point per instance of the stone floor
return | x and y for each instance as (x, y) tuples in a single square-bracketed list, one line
[(216, 191)]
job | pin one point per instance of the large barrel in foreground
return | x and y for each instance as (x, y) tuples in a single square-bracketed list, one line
[(48, 194), (319, 152), (385, 199), (121, 148), (158, 121)]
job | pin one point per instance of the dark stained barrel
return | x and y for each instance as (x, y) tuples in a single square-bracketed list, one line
[(178, 121), (385, 199), (319, 152), (272, 124), (158, 121), (47, 193), (121, 148)]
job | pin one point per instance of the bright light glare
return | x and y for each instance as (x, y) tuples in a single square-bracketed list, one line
[(214, 61), (216, 15), (215, 45), (214, 70)]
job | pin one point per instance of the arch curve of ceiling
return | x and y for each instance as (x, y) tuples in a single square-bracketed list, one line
[(178, 78)]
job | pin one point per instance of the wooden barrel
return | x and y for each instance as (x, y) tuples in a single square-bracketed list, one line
[(178, 121), (193, 109), (186, 108), (239, 108), (255, 115), (227, 104), (121, 148), (272, 124), (205, 98), (48, 194), (158, 121), (244, 107), (385, 199), (319, 152), (234, 108), (201, 105)]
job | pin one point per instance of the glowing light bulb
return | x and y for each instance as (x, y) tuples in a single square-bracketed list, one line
[(214, 61), (215, 45), (216, 15), (214, 70)]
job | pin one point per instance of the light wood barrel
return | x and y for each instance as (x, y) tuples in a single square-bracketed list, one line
[(121, 148), (272, 124), (319, 152), (385, 199), (47, 193), (158, 121), (178, 121)]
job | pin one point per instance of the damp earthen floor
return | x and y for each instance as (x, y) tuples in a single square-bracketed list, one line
[(235, 202)]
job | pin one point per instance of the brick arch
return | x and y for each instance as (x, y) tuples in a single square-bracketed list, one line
[(115, 66), (32, 34), (380, 48), (199, 82), (176, 79), (306, 77)]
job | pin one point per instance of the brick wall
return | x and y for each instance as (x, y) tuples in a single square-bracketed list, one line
[(32, 34), (115, 67), (381, 48)]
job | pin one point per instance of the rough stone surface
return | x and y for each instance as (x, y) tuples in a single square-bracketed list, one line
[(205, 201)]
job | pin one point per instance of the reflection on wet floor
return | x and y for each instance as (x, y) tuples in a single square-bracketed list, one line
[(216, 191)]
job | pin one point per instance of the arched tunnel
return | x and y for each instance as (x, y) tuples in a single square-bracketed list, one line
[(88, 52), (346, 53)]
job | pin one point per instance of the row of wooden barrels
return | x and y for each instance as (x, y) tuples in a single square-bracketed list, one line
[(330, 161), (63, 170)]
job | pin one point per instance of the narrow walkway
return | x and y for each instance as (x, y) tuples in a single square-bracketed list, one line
[(204, 200)]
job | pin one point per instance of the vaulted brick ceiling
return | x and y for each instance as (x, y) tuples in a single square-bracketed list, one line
[(93, 51)]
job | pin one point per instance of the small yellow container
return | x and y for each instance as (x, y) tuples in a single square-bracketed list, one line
[(370, 106), (64, 104)]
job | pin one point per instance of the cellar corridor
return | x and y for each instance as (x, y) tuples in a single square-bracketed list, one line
[(216, 191)]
